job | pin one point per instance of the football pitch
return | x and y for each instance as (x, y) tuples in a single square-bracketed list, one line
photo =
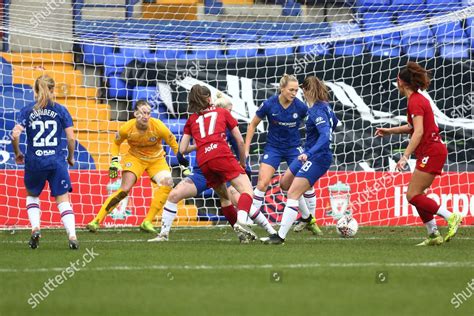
[(205, 271)]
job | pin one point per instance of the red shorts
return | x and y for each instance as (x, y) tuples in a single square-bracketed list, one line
[(432, 159), (220, 170)]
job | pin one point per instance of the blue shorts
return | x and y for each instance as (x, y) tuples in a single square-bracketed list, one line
[(199, 180), (58, 179), (274, 156), (312, 169)]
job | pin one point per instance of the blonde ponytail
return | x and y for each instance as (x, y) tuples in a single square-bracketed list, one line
[(221, 101), (44, 87), (285, 79)]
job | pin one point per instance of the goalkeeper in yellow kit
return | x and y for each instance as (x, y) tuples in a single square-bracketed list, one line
[(144, 136)]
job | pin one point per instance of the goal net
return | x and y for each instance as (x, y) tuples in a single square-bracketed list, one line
[(106, 55)]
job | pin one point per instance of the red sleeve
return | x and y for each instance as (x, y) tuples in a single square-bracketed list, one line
[(416, 106), (187, 127), (230, 121)]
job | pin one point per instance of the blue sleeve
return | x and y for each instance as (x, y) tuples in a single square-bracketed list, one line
[(22, 117), (262, 110), (321, 120), (233, 144), (66, 118)]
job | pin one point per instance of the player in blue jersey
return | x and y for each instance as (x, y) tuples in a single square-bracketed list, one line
[(314, 162), (285, 114), (45, 123), (195, 184)]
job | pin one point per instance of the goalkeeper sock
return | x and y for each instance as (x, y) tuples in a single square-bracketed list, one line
[(169, 213), (159, 199), (258, 197), (230, 214), (68, 219), (34, 212), (303, 208), (112, 201), (289, 216), (310, 198)]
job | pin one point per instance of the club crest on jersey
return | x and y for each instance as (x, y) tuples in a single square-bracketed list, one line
[(295, 115), (128, 164), (153, 139), (424, 161)]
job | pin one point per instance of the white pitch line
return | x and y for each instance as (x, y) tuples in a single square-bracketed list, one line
[(222, 240), (436, 264)]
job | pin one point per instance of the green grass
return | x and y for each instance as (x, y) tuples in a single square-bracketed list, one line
[(207, 272)]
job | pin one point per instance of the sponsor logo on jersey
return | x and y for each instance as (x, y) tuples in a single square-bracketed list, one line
[(319, 120), (209, 148), (47, 152), (424, 161), (274, 114)]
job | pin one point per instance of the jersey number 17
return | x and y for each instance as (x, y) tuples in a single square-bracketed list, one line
[(212, 124)]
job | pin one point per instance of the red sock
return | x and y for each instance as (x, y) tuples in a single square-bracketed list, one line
[(421, 201), (230, 213), (245, 202), (424, 215)]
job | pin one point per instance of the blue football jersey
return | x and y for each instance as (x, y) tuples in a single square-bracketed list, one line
[(283, 124), (44, 131), (321, 122)]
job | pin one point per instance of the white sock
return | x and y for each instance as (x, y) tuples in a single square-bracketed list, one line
[(431, 226), (34, 212), (289, 216), (443, 212), (169, 213), (68, 219), (258, 197), (242, 217), (303, 207), (260, 219), (310, 198)]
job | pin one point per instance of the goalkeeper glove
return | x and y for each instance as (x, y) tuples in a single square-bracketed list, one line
[(182, 160), (114, 168)]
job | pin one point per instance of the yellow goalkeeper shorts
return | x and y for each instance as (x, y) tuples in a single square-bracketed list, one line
[(138, 166)]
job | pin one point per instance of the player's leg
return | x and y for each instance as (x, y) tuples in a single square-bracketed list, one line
[(244, 233), (160, 173), (34, 184), (60, 185), (128, 180), (185, 189), (245, 205), (270, 162)]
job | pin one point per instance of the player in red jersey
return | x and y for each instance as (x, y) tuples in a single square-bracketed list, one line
[(208, 125), (429, 149)]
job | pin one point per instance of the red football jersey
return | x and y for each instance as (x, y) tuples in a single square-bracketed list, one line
[(419, 105), (208, 128)]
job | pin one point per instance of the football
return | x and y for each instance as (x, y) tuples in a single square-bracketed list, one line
[(347, 226)]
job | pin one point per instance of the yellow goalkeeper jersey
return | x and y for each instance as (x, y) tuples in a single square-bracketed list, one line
[(145, 145)]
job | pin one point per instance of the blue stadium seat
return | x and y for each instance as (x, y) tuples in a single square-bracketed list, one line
[(6, 72), (315, 49), (276, 51), (384, 50), (374, 5), (410, 17), (240, 51), (291, 8), (452, 41), (418, 42), (242, 38), (348, 47), (377, 20), (203, 53), (443, 5), (408, 5), (470, 30), (167, 53), (176, 126), (15, 97), (94, 54), (213, 7)]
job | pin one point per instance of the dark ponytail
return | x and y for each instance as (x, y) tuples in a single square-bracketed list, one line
[(198, 98), (415, 76)]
